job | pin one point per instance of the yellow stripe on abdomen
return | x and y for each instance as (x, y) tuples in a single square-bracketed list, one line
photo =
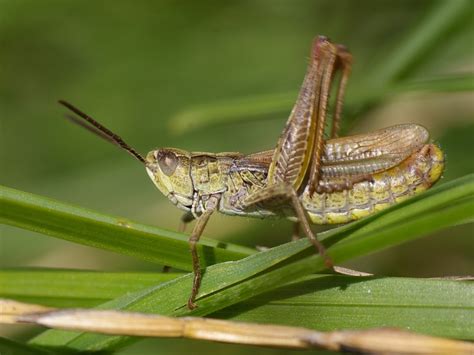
[(414, 175)]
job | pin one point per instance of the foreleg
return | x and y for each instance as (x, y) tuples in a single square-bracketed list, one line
[(186, 218), (296, 231), (201, 222)]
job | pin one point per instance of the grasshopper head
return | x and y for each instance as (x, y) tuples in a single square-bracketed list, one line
[(169, 169)]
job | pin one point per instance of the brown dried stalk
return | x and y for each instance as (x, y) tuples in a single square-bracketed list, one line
[(381, 340)]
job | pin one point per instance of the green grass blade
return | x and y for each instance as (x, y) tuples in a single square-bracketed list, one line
[(275, 106), (430, 306), (436, 306), (286, 273), (79, 225), (417, 47), (230, 283), (444, 19), (74, 288), (236, 110), (454, 83), (10, 347), (441, 22)]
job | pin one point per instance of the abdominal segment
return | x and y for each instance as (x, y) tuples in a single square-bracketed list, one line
[(415, 174)]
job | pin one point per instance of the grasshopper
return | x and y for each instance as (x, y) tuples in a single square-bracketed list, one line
[(307, 178)]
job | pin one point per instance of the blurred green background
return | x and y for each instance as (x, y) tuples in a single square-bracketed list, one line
[(137, 66)]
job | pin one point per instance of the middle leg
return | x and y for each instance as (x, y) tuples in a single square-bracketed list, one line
[(278, 195), (296, 231)]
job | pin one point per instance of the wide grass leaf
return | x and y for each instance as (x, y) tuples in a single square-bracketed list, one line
[(441, 307), (327, 302)]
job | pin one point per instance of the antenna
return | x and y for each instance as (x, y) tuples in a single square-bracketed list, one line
[(95, 127)]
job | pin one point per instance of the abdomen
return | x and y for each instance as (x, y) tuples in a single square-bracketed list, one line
[(415, 174)]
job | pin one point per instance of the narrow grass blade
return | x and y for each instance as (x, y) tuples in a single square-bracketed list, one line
[(79, 225), (237, 110), (74, 288), (230, 283), (432, 31), (276, 106), (8, 347), (443, 20), (453, 83)]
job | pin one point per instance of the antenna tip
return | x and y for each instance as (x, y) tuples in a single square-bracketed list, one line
[(63, 102)]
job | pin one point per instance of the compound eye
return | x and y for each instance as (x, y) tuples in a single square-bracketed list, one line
[(167, 162)]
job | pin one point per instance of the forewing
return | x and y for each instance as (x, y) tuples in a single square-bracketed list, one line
[(358, 155), (372, 152)]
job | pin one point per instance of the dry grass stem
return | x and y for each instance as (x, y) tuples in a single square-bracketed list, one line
[(382, 340)]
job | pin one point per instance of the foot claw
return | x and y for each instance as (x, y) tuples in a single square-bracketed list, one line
[(191, 304), (328, 262)]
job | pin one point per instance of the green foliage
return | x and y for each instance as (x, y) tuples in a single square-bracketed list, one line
[(271, 106), (224, 76), (9, 347), (324, 302), (229, 283), (389, 76)]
